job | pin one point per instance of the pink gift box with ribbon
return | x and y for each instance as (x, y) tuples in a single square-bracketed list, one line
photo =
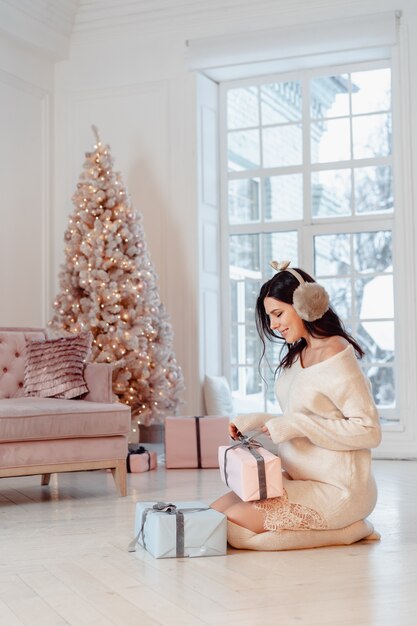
[(194, 441), (141, 460), (250, 470)]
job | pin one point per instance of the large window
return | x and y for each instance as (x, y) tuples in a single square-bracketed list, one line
[(308, 177)]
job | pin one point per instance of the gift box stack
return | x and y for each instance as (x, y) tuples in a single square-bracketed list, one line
[(194, 441), (250, 470), (181, 529)]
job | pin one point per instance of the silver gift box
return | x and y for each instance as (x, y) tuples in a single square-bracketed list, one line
[(205, 531)]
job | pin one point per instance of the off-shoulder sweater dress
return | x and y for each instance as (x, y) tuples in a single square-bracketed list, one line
[(328, 426)]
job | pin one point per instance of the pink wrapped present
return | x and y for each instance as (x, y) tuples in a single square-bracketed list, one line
[(141, 460), (194, 441), (250, 470)]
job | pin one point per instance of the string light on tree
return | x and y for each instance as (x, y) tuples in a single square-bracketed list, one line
[(108, 285)]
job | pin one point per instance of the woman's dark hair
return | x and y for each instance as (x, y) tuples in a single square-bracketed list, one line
[(281, 287)]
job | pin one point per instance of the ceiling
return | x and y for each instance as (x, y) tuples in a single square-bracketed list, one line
[(49, 25)]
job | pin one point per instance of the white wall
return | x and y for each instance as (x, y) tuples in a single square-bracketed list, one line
[(26, 90), (129, 77), (132, 80), (139, 94)]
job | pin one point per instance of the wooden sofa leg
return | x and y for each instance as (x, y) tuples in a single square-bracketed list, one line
[(45, 479), (119, 475)]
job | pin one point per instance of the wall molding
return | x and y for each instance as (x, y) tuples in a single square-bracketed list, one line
[(16, 81), (94, 16), (78, 142), (45, 245), (46, 26)]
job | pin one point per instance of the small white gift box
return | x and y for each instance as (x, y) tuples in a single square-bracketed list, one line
[(188, 529)]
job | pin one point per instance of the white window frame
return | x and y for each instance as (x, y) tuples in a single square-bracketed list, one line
[(401, 437)]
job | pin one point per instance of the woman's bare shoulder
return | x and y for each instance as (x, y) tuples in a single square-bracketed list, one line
[(333, 346), (323, 350)]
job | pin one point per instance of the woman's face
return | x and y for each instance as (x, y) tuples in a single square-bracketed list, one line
[(284, 319)]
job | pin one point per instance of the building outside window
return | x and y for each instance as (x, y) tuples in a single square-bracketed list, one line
[(308, 177)]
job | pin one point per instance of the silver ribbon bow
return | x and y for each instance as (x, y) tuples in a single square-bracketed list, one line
[(250, 444), (170, 509)]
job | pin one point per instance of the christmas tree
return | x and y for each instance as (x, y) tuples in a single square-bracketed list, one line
[(108, 286)]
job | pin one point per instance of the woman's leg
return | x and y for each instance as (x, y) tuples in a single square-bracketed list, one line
[(241, 513), (225, 502)]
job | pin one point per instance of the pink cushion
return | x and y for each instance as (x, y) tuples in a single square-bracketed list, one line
[(54, 367), (29, 453), (98, 378), (50, 418)]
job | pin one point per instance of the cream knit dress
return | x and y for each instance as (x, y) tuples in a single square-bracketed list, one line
[(328, 426)]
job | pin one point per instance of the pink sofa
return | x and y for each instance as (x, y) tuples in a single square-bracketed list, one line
[(48, 435)]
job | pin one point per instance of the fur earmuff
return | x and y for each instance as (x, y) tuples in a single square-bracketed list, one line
[(311, 301)]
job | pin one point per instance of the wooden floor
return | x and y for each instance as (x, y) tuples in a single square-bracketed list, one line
[(64, 560)]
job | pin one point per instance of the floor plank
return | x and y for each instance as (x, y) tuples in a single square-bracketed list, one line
[(64, 560)]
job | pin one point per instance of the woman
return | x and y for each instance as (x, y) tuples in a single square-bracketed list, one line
[(329, 420)]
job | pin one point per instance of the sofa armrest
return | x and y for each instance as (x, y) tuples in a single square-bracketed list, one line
[(98, 378)]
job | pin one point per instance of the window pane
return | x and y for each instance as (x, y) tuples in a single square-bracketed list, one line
[(332, 254), (281, 102), (244, 254), (371, 136), (373, 251), (375, 297), (251, 346), (330, 141), (383, 385), (243, 200), (348, 118), (371, 91), (244, 344), (247, 389), (279, 246), (283, 197), (234, 356), (377, 339), (272, 353), (272, 405), (243, 150), (373, 189), (252, 289), (331, 193), (242, 107), (282, 145), (329, 96), (340, 294), (233, 300)]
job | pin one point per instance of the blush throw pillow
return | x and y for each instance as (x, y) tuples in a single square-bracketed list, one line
[(54, 368), (218, 397)]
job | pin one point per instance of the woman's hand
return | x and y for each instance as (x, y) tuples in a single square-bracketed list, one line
[(233, 431), (266, 431)]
